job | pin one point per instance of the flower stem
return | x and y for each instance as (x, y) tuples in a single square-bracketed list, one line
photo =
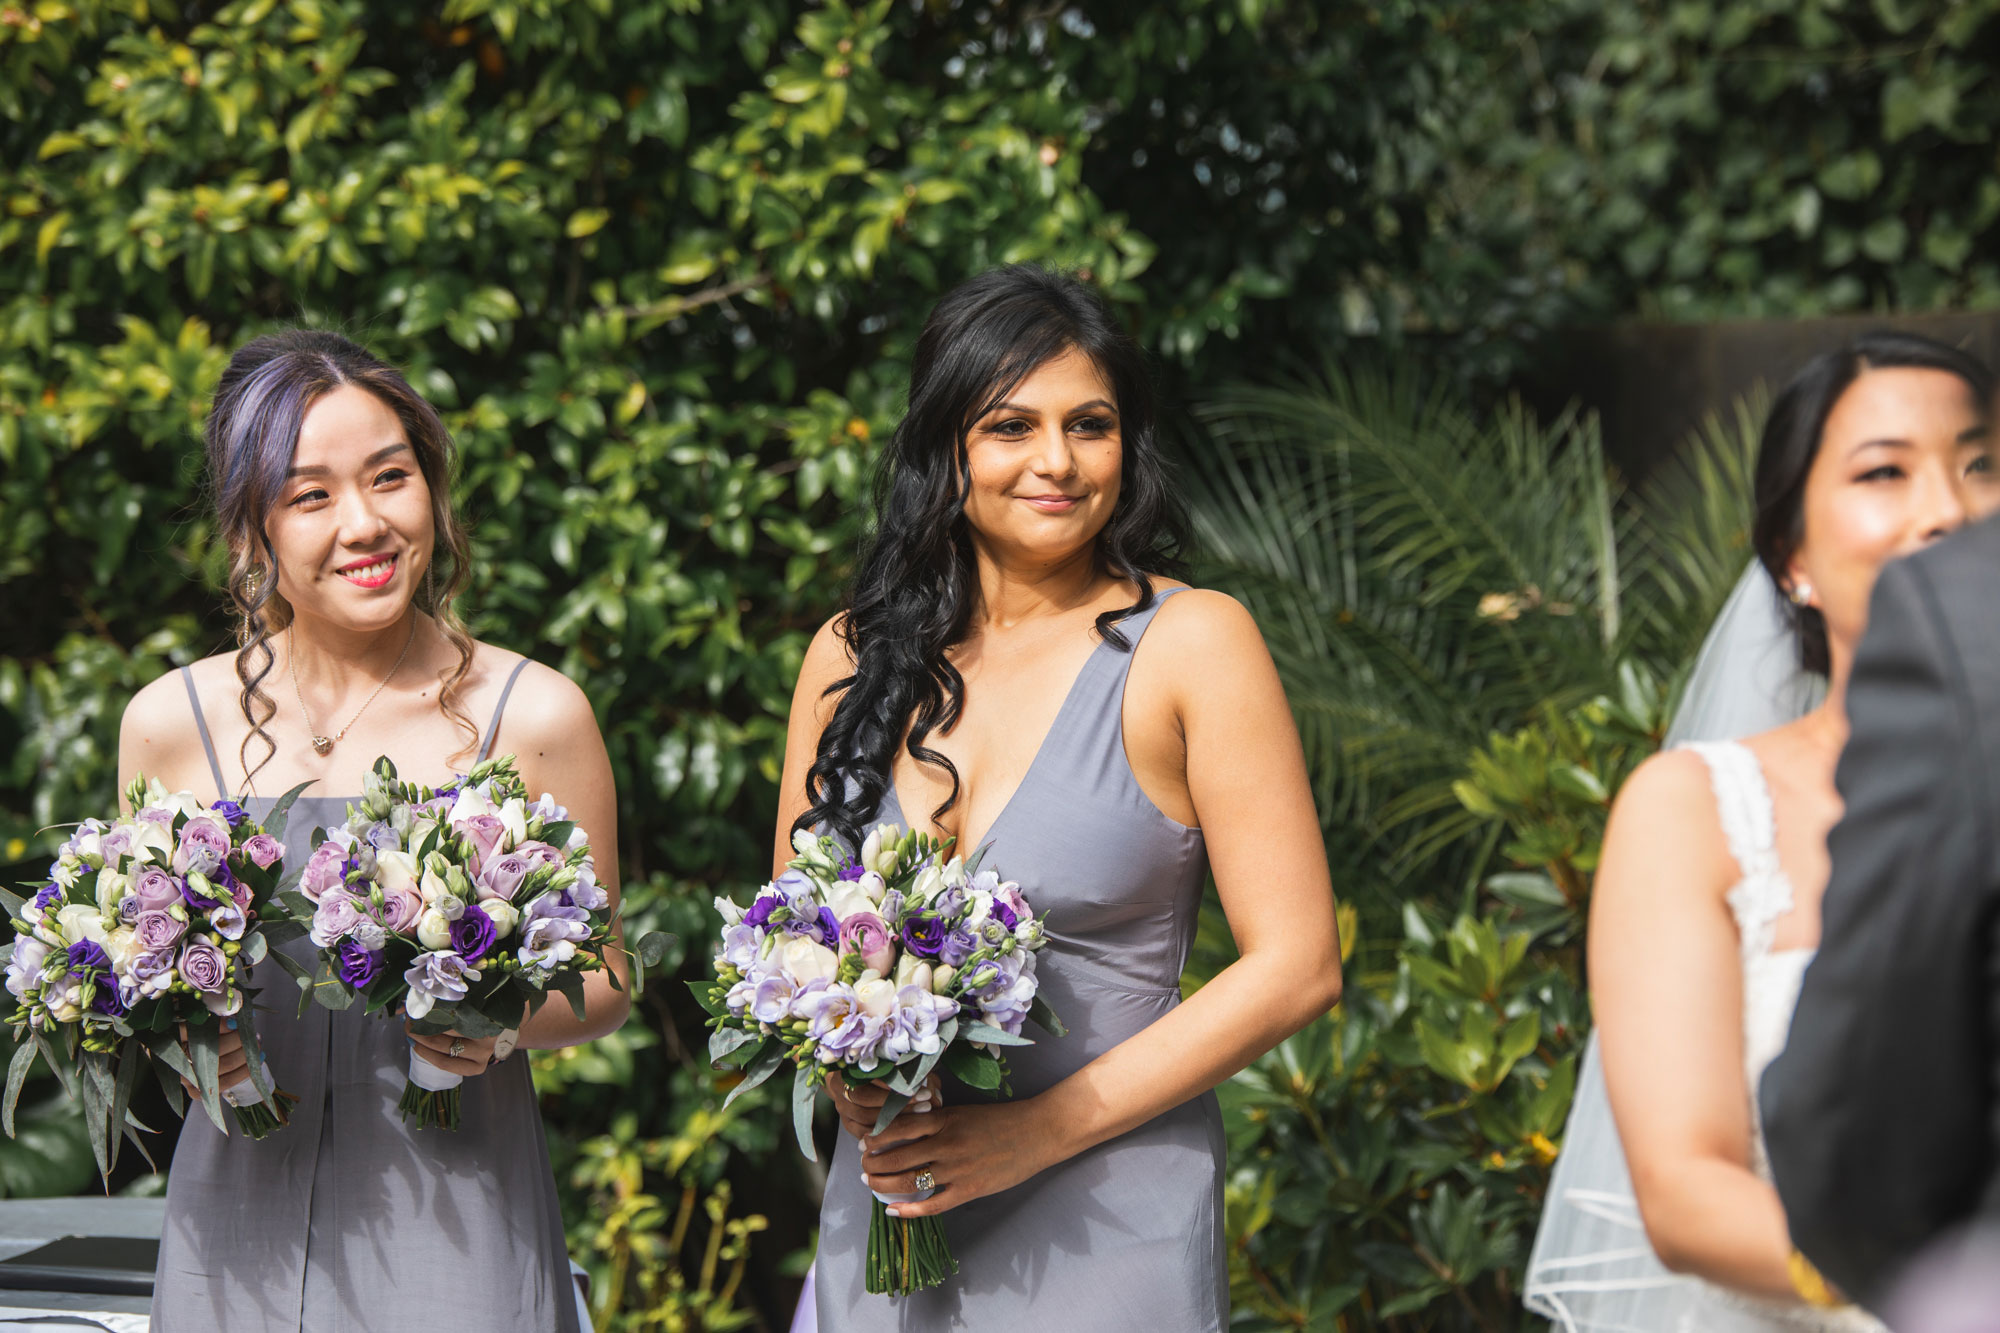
[(267, 1116), (906, 1254), (432, 1110)]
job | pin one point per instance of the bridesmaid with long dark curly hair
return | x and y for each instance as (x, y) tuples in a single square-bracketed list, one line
[(331, 479), (1019, 669)]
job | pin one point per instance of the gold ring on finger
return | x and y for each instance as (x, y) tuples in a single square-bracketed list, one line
[(926, 1181)]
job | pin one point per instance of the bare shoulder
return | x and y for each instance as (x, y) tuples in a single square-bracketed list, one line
[(829, 656), (1200, 634), (159, 734), (1665, 816), (544, 707)]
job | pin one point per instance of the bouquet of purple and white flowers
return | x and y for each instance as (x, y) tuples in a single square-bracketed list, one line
[(884, 967), (464, 905), (147, 924)]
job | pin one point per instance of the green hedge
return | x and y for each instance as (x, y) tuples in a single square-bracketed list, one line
[(661, 263)]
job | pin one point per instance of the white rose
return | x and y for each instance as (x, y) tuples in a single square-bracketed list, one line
[(87, 843), (183, 803), (81, 921), (419, 830), (806, 960), (876, 994), (942, 978), (913, 971), (153, 845), (846, 898), (504, 916), (396, 870), (433, 929), (111, 887), (119, 946)]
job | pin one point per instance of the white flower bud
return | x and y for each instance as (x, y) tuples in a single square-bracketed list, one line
[(434, 929)]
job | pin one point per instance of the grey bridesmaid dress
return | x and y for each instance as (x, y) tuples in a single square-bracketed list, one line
[(1127, 1235), (347, 1219)]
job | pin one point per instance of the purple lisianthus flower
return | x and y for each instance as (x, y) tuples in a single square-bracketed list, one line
[(924, 935), (230, 811), (155, 889), (358, 966), (88, 956), (157, 930), (958, 945), (264, 850), (757, 916), (1005, 915), (203, 966), (851, 871), (472, 935), (50, 895), (107, 1000), (192, 895), (438, 977), (204, 847)]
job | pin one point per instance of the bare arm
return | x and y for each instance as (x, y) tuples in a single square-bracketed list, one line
[(826, 661), (1246, 778), (1667, 987)]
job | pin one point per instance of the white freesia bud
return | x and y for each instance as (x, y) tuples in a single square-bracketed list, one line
[(807, 960), (514, 818), (804, 843), (876, 994), (731, 914), (434, 888), (929, 883), (920, 974), (872, 886), (871, 848), (434, 929), (111, 887), (954, 872), (396, 870), (941, 978), (504, 916), (906, 968)]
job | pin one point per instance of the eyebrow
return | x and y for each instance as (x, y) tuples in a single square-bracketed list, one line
[(387, 451), (1035, 411)]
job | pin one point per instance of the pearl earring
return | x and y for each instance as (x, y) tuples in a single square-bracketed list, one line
[(1801, 593)]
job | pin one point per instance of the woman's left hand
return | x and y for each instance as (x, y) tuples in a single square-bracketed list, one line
[(474, 1054), (970, 1151)]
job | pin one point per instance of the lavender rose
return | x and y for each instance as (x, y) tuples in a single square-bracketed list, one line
[(401, 908), (203, 966), (358, 966), (324, 871), (204, 846), (336, 915), (500, 877), (484, 833), (472, 935), (866, 934), (158, 930), (155, 889), (537, 854), (264, 849)]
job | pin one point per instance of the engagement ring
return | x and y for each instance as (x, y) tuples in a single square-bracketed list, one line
[(457, 1048), (926, 1181)]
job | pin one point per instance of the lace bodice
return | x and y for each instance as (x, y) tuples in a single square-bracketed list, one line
[(1771, 981)]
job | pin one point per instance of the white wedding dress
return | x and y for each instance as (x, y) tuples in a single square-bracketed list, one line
[(1771, 980)]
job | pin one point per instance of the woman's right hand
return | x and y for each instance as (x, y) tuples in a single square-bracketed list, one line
[(232, 1066), (859, 1104)]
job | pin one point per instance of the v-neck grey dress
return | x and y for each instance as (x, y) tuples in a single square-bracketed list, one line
[(347, 1219), (1127, 1235)]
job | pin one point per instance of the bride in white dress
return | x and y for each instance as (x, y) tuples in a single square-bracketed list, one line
[(1706, 906)]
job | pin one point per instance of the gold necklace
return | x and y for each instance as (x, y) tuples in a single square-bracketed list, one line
[(324, 744)]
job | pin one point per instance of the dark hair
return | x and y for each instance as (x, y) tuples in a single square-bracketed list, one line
[(913, 594), (252, 433), (1791, 441)]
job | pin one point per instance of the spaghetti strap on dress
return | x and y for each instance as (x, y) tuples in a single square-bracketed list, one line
[(348, 1219), (1127, 1235)]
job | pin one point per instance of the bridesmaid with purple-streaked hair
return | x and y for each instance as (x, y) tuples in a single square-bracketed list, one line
[(331, 482)]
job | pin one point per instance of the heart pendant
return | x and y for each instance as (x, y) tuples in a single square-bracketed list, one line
[(322, 745)]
